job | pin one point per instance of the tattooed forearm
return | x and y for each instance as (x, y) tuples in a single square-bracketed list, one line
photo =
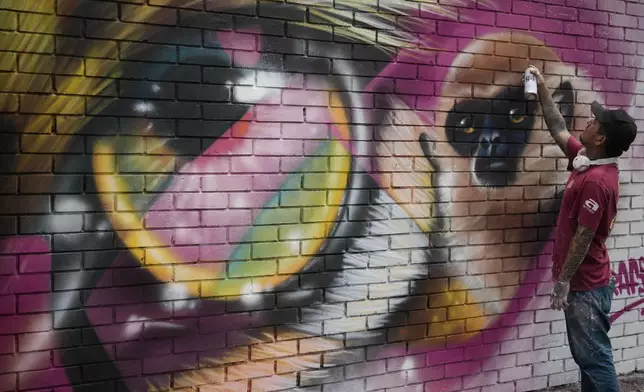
[(578, 248), (554, 120)]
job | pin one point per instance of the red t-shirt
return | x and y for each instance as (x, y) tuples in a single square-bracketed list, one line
[(590, 199)]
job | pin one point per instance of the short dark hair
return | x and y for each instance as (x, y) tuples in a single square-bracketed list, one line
[(618, 127)]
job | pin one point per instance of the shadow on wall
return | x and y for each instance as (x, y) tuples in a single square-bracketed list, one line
[(269, 197)]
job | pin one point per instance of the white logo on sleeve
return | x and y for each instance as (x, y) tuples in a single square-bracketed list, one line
[(591, 205)]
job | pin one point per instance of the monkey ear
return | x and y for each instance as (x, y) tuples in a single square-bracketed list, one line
[(565, 97)]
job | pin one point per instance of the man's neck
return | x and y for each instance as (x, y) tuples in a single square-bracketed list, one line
[(593, 154)]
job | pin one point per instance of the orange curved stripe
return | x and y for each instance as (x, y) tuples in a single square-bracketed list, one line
[(212, 276)]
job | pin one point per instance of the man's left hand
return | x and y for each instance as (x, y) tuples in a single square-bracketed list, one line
[(559, 296)]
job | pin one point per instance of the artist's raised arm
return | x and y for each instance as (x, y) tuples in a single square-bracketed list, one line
[(554, 119)]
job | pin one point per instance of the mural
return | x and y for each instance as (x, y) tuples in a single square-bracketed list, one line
[(236, 196)]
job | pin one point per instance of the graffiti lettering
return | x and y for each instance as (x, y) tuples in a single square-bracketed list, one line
[(629, 282), (630, 277)]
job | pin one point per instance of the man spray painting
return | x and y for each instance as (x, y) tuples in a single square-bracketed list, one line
[(581, 265)]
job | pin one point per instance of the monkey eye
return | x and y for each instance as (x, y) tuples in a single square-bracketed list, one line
[(466, 125), (516, 116)]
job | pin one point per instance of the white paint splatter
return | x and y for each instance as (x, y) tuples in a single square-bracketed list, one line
[(143, 107)]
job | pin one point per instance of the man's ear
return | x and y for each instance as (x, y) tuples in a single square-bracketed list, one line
[(600, 139), (565, 97)]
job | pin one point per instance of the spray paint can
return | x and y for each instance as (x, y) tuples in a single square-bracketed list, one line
[(530, 86)]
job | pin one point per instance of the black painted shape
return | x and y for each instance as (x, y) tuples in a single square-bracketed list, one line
[(205, 20), (66, 262), (94, 354), (7, 162), (91, 9), (309, 65), (282, 11), (96, 372), (9, 144), (565, 96), (69, 296)]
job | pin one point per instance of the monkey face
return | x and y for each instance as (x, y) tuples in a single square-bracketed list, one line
[(493, 132), (484, 126), (493, 144)]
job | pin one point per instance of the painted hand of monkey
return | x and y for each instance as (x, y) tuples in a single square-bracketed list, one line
[(535, 71)]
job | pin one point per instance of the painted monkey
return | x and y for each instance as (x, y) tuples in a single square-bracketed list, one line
[(479, 170)]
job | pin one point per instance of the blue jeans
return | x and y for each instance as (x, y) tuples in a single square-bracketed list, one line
[(588, 323)]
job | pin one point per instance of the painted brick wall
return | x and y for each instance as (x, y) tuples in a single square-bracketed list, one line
[(231, 195)]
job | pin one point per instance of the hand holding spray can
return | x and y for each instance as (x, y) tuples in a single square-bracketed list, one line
[(530, 85)]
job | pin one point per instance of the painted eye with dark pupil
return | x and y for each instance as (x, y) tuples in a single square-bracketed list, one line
[(466, 125), (516, 116)]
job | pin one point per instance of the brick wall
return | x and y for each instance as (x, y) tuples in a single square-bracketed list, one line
[(231, 195)]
